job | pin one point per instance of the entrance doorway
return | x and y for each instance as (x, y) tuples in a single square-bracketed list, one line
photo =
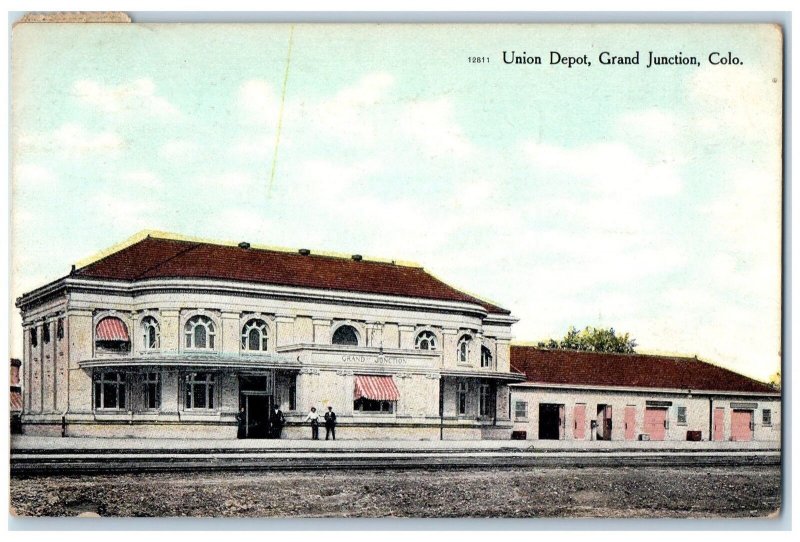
[(256, 414), (551, 421), (719, 424), (603, 422), (255, 396)]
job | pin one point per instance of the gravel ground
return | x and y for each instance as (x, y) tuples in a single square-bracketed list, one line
[(522, 493)]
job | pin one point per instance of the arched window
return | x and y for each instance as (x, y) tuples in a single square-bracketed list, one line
[(426, 340), (151, 336), (486, 357), (199, 332), (254, 335), (111, 335), (345, 335), (463, 349)]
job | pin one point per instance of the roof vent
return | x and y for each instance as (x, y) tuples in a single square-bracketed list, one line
[(304, 252), (357, 257), (244, 244)]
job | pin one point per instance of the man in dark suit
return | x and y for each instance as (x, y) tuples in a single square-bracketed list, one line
[(278, 422), (330, 423)]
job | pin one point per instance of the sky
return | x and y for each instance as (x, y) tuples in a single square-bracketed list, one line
[(648, 200)]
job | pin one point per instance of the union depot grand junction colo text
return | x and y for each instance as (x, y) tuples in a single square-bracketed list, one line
[(170, 338)]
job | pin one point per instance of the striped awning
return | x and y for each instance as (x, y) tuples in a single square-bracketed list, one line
[(377, 388), (111, 329)]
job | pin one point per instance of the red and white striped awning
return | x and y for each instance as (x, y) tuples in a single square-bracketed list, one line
[(111, 329), (377, 388)]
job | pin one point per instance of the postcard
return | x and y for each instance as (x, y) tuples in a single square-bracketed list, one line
[(396, 270)]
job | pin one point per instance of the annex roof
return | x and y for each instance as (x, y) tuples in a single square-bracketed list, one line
[(570, 367), (154, 257)]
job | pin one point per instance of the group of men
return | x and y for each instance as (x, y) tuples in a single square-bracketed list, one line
[(277, 421), (330, 423)]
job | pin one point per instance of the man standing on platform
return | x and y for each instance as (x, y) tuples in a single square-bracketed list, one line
[(330, 423), (277, 422), (313, 417)]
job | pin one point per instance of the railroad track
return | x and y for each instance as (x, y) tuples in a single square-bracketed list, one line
[(43, 462)]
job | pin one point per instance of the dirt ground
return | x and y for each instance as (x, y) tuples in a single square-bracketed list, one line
[(522, 493)]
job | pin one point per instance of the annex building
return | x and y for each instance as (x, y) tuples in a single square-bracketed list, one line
[(167, 337)]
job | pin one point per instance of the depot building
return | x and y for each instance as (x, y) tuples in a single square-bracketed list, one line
[(167, 337), (172, 338)]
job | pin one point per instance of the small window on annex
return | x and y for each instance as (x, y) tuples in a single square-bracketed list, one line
[(199, 389), (346, 336), (199, 333), (682, 415), (486, 356), (521, 409), (151, 335), (111, 336), (426, 340), (766, 417), (464, 346), (254, 336), (109, 391)]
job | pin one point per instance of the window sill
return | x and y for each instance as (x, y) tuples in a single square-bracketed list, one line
[(521, 420)]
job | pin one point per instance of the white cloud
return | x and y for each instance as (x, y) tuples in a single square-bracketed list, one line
[(741, 101), (142, 178), (29, 176), (72, 141), (178, 149), (432, 124), (612, 169), (232, 180), (258, 102), (126, 213), (137, 97)]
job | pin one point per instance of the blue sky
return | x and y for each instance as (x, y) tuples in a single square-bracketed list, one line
[(644, 199)]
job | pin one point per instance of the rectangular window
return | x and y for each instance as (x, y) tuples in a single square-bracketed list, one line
[(109, 391), (486, 400), (293, 394), (152, 391), (766, 417), (60, 329), (46, 333), (462, 398), (199, 391), (682, 415), (363, 404), (521, 409)]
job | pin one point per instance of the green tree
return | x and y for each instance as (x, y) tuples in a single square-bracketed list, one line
[(775, 381), (591, 339)]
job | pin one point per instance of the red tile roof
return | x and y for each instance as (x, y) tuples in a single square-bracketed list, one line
[(571, 367), (154, 257)]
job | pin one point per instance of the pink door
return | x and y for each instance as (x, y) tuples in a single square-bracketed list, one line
[(579, 432), (630, 422), (719, 423), (655, 422), (742, 425)]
